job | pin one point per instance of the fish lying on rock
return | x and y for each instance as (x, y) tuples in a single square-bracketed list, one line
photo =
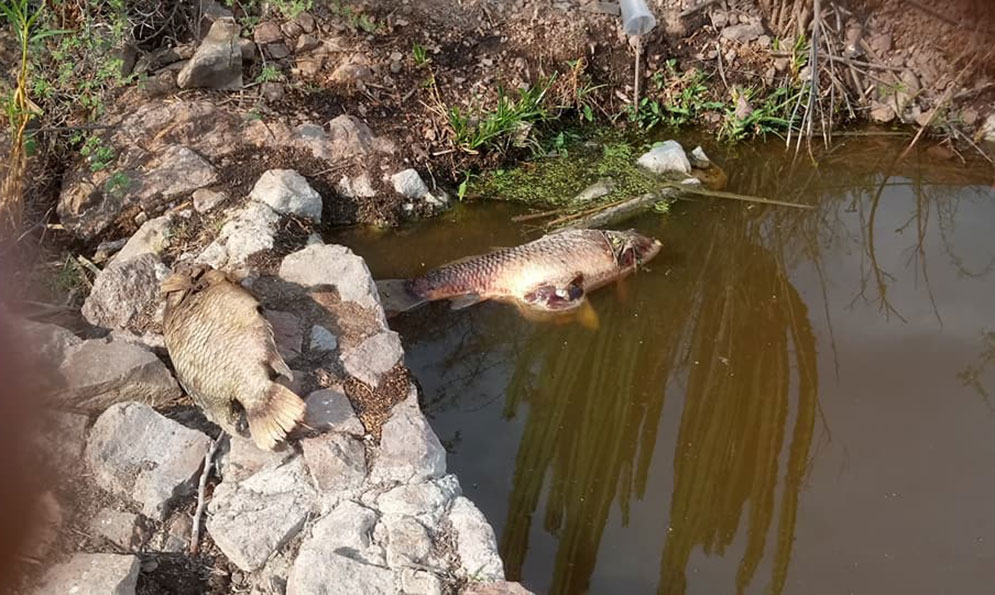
[(224, 354), (552, 274)]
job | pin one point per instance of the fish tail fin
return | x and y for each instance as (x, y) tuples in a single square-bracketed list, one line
[(396, 297), (276, 414)]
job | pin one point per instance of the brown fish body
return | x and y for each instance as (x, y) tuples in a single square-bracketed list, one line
[(554, 272), (224, 353)]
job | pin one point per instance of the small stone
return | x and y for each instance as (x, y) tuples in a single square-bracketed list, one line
[(337, 462), (310, 66), (205, 200), (267, 32), (334, 265), (987, 131), (781, 64), (330, 410), (151, 238), (350, 137), (409, 449), (882, 112), (597, 190), (277, 51), (666, 157), (100, 373), (306, 22), (420, 582), (93, 574), (178, 531), (743, 32), (764, 41), (374, 357), (123, 529), (719, 19), (409, 184), (699, 159), (428, 500), (106, 249), (287, 333), (287, 192), (124, 290), (251, 520), (247, 48), (396, 67), (247, 232), (271, 92), (356, 187), (291, 29), (306, 43), (244, 459), (881, 44), (969, 116), (323, 339), (408, 541), (135, 452), (217, 63), (475, 542)]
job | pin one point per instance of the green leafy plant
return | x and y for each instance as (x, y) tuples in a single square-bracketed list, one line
[(680, 99), (268, 74), (771, 116), (97, 153), (420, 55), (290, 9), (509, 123)]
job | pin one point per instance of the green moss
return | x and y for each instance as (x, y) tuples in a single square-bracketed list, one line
[(555, 181)]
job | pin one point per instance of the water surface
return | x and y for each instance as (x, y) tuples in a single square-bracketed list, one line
[(786, 401)]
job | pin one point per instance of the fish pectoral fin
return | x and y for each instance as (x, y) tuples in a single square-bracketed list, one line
[(558, 297), (465, 301)]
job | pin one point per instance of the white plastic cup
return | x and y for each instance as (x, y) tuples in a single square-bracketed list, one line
[(636, 18)]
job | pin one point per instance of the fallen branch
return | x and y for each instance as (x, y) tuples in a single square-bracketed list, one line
[(208, 462), (614, 212), (735, 196)]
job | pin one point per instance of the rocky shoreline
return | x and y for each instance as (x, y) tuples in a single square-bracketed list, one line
[(358, 501)]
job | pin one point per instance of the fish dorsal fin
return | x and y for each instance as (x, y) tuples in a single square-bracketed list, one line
[(465, 301)]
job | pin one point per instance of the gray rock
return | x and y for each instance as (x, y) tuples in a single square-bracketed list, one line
[(291, 29), (205, 200), (420, 582), (409, 449), (48, 342), (330, 410), (179, 170), (409, 184), (251, 520), (666, 157), (340, 557), (699, 159), (247, 232), (135, 452), (100, 373), (743, 32), (176, 538), (272, 92), (408, 540), (277, 51), (306, 43), (882, 112), (475, 542), (306, 22), (287, 192), (374, 357), (354, 70), (337, 462), (217, 63), (336, 266), (597, 190), (287, 332), (124, 290), (244, 459), (428, 501), (93, 574), (123, 529), (323, 339), (987, 131), (357, 187), (105, 250), (151, 238), (350, 137), (267, 32)]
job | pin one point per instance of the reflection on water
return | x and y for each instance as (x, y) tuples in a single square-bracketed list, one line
[(725, 427)]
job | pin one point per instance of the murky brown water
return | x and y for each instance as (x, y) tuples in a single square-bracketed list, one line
[(787, 401)]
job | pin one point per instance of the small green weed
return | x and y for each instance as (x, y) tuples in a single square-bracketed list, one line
[(420, 55), (289, 9), (678, 100), (269, 74), (772, 116), (510, 122), (97, 153)]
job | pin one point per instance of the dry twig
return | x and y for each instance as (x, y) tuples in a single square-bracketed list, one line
[(208, 462)]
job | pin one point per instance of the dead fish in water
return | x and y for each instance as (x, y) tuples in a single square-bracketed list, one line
[(552, 274), (224, 353)]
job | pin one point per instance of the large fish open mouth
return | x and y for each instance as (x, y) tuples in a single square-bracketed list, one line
[(551, 274)]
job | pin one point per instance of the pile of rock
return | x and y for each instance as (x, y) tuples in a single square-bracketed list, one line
[(338, 505)]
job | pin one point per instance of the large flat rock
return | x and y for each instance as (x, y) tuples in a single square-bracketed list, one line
[(92, 574), (137, 453)]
